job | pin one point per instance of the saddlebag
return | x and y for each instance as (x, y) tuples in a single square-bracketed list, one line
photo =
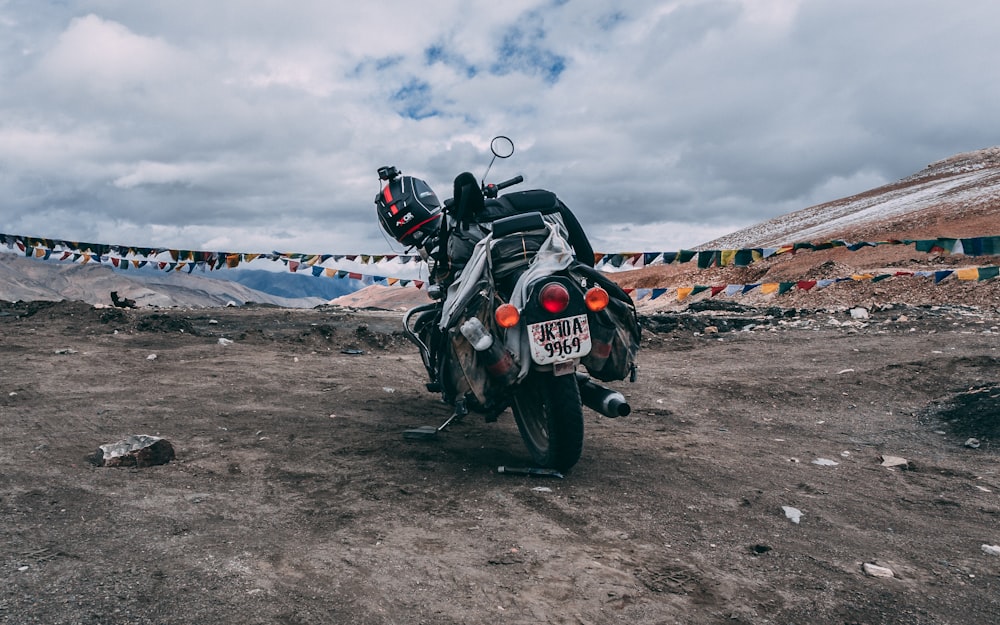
[(615, 331)]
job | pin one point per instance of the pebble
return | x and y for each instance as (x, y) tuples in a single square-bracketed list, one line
[(792, 514), (991, 550), (874, 570), (894, 461)]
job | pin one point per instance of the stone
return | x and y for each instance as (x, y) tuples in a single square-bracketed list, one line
[(138, 450), (894, 461), (874, 570), (859, 313), (792, 514)]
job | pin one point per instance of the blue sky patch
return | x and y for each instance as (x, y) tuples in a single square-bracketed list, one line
[(414, 100), (523, 51)]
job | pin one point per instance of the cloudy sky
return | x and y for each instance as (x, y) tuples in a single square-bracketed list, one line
[(258, 125)]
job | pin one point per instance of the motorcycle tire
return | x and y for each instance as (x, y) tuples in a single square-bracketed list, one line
[(549, 415)]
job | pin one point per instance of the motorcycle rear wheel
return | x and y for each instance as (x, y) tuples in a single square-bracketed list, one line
[(549, 415)]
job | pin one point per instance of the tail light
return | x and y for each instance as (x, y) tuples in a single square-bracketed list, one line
[(507, 315), (596, 299), (554, 297)]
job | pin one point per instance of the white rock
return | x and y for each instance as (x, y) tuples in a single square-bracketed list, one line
[(825, 462), (859, 313), (874, 570), (224, 341), (894, 461), (151, 357), (991, 550), (972, 443), (792, 514)]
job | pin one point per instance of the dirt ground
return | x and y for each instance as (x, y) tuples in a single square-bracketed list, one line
[(295, 499)]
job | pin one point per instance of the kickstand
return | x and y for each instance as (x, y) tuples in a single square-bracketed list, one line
[(429, 431)]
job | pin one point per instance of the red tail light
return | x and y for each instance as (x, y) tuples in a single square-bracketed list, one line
[(597, 299), (554, 297), (507, 316)]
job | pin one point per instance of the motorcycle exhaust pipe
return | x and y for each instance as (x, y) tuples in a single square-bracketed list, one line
[(602, 399)]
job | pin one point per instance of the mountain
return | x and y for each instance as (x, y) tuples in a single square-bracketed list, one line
[(29, 279), (956, 197), (291, 285)]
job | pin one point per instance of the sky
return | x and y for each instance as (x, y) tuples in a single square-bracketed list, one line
[(258, 125)]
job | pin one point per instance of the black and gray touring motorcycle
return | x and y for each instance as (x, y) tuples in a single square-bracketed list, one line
[(519, 317)]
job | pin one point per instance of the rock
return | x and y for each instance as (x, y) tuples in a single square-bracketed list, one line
[(894, 461), (972, 443), (225, 341), (859, 313), (121, 302), (138, 450), (792, 514), (711, 330), (991, 550), (874, 570), (825, 462)]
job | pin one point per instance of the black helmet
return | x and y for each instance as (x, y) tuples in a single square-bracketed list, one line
[(408, 210)]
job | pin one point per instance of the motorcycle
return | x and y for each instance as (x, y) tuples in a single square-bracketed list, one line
[(519, 317)]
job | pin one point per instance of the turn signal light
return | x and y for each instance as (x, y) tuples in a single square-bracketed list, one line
[(554, 297), (507, 315), (596, 299)]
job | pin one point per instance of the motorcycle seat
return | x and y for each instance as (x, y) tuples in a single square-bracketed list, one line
[(524, 222), (535, 201)]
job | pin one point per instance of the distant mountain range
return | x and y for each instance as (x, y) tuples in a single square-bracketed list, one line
[(28, 279)]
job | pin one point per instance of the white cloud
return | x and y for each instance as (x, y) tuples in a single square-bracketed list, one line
[(101, 55), (667, 122)]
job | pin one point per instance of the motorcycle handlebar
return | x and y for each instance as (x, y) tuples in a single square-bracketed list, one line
[(491, 190), (509, 183)]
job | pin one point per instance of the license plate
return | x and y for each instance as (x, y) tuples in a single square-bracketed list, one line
[(559, 340)]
